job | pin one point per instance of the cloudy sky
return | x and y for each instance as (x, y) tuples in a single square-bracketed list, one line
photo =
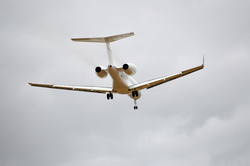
[(201, 119)]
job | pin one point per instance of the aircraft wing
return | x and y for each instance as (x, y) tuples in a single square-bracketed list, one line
[(158, 81), (76, 88)]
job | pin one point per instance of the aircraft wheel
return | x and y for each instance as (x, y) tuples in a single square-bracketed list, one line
[(136, 93), (133, 93), (109, 96)]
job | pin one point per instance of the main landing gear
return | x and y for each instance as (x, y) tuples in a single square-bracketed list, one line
[(110, 96), (135, 93)]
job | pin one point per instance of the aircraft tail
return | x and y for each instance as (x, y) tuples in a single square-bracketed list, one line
[(106, 40)]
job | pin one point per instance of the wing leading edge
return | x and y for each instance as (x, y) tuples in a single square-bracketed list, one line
[(76, 88), (158, 81)]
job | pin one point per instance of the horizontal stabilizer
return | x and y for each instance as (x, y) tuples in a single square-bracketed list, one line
[(108, 39)]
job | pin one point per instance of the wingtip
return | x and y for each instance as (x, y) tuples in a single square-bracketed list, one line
[(76, 39), (31, 84), (203, 61)]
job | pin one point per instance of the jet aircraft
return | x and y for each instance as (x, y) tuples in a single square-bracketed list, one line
[(123, 82)]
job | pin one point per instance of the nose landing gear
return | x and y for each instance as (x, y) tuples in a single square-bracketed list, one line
[(135, 95), (135, 107)]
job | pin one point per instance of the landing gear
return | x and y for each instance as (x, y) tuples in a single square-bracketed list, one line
[(135, 93), (110, 96), (135, 107)]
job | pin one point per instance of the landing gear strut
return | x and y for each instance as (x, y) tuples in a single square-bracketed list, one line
[(135, 107), (110, 96)]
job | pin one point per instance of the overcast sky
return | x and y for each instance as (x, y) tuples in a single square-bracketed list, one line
[(201, 119)]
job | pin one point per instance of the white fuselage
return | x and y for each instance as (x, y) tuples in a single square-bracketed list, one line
[(121, 81)]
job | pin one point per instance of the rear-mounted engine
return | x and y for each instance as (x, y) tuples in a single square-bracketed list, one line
[(101, 72), (129, 68)]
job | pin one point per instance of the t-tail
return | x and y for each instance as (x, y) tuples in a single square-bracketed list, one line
[(106, 40)]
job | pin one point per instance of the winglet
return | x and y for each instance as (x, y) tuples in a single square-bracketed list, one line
[(203, 63)]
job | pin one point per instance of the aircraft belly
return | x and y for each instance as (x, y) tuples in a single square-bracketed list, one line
[(121, 81), (120, 86)]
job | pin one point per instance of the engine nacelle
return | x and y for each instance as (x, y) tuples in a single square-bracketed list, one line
[(101, 72), (129, 68)]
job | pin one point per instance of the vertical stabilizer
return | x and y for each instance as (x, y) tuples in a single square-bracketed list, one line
[(111, 60)]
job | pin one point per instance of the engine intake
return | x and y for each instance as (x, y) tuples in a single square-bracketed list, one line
[(101, 72), (129, 68)]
